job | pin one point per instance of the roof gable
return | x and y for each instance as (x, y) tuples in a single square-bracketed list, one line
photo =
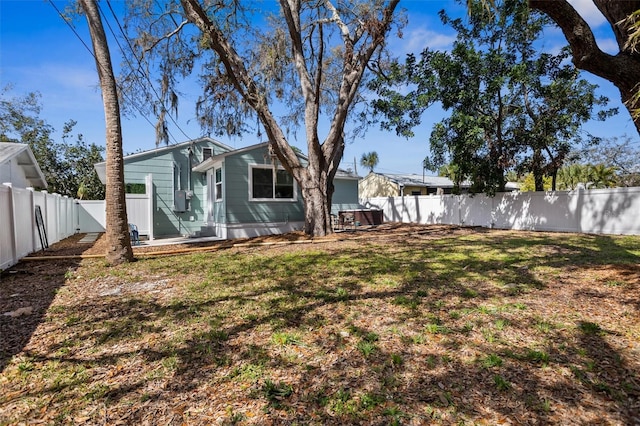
[(181, 145), (25, 160), (138, 156), (207, 164)]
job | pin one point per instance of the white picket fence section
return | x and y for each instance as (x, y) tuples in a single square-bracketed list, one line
[(18, 231), (599, 211)]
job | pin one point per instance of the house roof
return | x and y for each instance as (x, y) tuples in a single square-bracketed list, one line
[(25, 159), (162, 149), (101, 167), (422, 181), (208, 163), (430, 181)]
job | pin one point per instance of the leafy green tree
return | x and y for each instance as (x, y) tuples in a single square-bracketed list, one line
[(79, 158), (67, 165), (572, 175), (310, 60), (369, 160), (601, 176), (510, 106), (622, 154), (589, 176), (528, 183)]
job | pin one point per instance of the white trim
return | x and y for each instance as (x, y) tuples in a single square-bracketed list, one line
[(252, 166), (249, 230)]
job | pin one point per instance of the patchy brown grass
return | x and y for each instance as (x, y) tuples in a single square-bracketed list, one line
[(392, 325)]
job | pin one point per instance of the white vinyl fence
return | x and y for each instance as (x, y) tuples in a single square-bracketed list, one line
[(19, 230), (20, 234), (600, 211), (92, 215)]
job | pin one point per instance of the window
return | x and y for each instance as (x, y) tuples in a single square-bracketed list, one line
[(135, 188), (269, 184), (218, 183), (207, 153), (176, 177)]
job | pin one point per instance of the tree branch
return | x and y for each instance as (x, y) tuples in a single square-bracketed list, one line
[(166, 36)]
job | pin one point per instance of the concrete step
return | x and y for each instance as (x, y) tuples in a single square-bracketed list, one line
[(205, 231)]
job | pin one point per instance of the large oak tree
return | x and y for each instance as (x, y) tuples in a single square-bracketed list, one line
[(511, 106), (621, 69), (309, 61)]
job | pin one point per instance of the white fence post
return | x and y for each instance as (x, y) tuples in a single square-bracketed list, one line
[(148, 180), (11, 216)]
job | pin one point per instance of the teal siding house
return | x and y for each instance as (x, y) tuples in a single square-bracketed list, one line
[(249, 194), (178, 206), (206, 188)]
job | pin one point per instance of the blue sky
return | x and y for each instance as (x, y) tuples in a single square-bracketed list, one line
[(40, 53)]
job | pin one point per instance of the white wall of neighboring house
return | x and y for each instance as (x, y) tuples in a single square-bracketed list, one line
[(11, 172)]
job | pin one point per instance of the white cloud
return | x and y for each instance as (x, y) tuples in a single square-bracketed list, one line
[(72, 77), (417, 40), (589, 12)]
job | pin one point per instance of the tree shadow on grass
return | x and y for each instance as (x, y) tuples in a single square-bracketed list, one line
[(26, 292), (327, 366)]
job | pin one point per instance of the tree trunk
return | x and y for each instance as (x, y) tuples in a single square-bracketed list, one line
[(623, 69), (536, 169), (117, 232), (317, 212)]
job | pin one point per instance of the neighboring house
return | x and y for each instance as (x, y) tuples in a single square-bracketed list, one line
[(203, 187), (18, 166), (394, 185), (250, 194), (179, 206)]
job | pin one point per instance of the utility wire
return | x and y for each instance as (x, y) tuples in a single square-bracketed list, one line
[(93, 54), (142, 114), (123, 54), (140, 68)]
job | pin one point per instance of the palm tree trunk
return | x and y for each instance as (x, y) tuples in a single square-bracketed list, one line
[(118, 240)]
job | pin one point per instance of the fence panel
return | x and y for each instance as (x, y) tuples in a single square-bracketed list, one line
[(138, 212), (50, 214), (18, 229), (7, 250), (610, 211), (39, 199), (602, 211), (92, 215), (24, 223)]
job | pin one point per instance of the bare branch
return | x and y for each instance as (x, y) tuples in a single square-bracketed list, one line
[(166, 36)]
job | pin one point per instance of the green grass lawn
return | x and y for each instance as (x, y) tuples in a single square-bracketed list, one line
[(456, 327)]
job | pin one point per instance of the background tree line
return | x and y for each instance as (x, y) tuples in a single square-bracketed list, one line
[(68, 164), (512, 108)]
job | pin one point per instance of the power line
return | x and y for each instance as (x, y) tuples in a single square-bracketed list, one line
[(142, 114), (126, 59), (93, 54), (140, 68)]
